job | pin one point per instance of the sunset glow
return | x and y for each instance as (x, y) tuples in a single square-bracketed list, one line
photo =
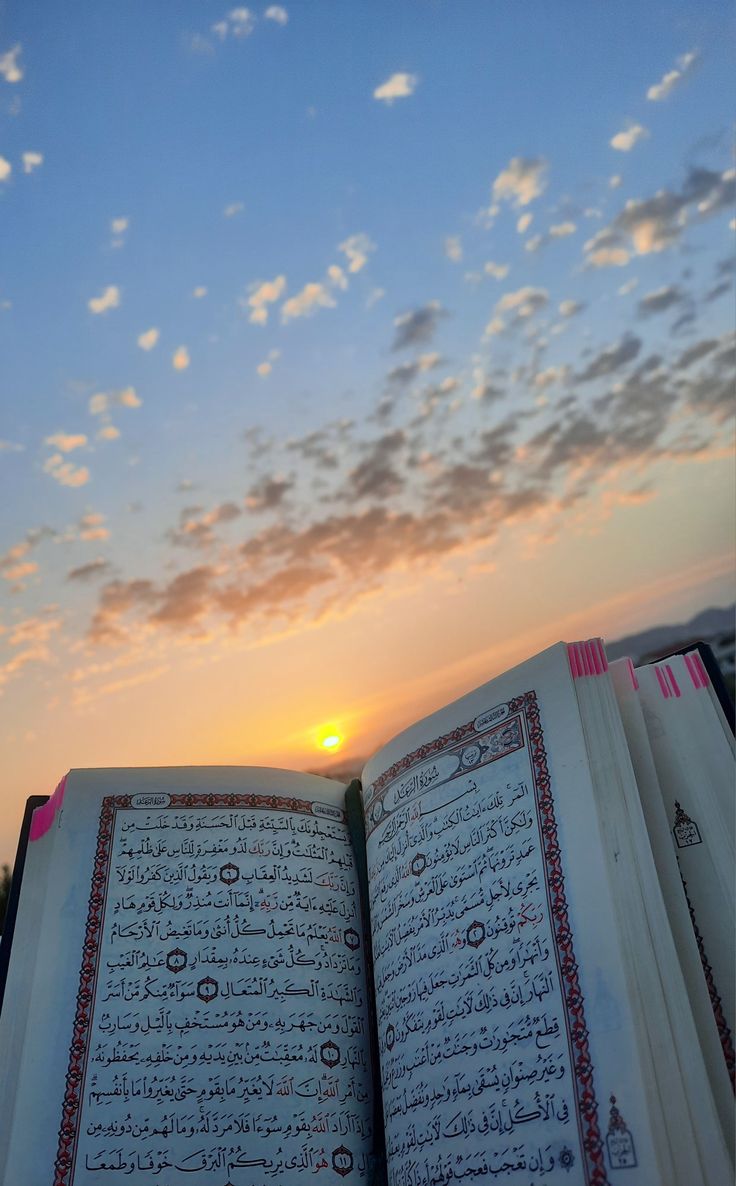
[(348, 359)]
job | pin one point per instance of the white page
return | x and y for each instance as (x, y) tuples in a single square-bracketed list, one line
[(504, 1026), (200, 1006), (703, 847), (625, 684)]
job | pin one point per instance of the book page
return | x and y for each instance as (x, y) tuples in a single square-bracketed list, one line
[(508, 1050), (201, 1015)]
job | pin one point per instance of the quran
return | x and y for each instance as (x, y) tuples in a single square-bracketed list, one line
[(505, 956)]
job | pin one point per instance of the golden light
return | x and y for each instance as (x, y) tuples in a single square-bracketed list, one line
[(330, 739)]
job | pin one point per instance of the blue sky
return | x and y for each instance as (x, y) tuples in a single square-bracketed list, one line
[(308, 310)]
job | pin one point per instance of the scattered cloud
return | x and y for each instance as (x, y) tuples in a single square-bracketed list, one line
[(312, 297), (108, 299), (523, 180), (264, 368), (128, 398), (268, 494), (524, 222), (628, 287), (263, 293), (405, 372), (65, 442), (497, 271), (524, 302), (374, 296), (398, 86), (454, 248), (10, 447), (91, 526), (615, 181), (672, 79), (653, 224), (276, 13), (337, 277), (417, 326), (357, 249), (180, 359), (64, 472), (31, 161), (108, 433), (626, 140), (239, 23), (660, 300), (148, 339), (234, 208), (10, 68), (5, 169), (87, 572), (611, 359), (199, 292), (559, 231), (570, 308)]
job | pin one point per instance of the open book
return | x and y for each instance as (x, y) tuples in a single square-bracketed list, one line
[(201, 991)]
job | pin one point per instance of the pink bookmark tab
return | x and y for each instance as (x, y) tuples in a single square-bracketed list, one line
[(700, 667), (572, 658), (692, 670), (673, 682), (632, 674), (602, 654), (43, 817), (663, 685)]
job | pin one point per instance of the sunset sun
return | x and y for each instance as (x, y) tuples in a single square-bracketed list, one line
[(330, 739)]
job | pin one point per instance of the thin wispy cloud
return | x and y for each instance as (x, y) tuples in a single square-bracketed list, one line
[(148, 339), (673, 78), (261, 295), (180, 359), (522, 181), (276, 13), (32, 161)]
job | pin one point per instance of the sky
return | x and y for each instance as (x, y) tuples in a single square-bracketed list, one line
[(351, 354)]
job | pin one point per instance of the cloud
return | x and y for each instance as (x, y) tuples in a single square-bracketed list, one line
[(268, 494), (262, 294), (337, 277), (523, 180), (524, 222), (398, 86), (611, 359), (264, 369), (626, 140), (87, 572), (127, 398), (560, 231), (180, 359), (312, 297), (5, 169), (405, 372), (653, 224), (615, 181), (31, 161), (196, 526), (233, 209), (660, 300), (376, 475), (91, 526), (65, 442), (108, 299), (108, 433), (64, 472), (119, 226), (10, 68), (497, 271), (276, 13), (628, 287), (524, 302), (357, 248), (672, 79), (417, 326), (570, 308), (199, 292), (148, 339), (239, 22), (454, 248), (10, 447), (374, 296)]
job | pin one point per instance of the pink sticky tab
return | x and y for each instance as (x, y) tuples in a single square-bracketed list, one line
[(673, 682), (692, 670), (43, 817), (700, 668), (632, 673), (572, 660), (663, 687), (602, 654)]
